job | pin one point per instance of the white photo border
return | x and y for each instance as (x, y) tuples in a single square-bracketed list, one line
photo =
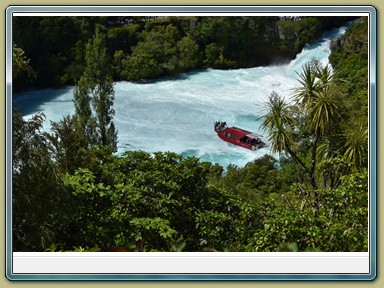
[(15, 270)]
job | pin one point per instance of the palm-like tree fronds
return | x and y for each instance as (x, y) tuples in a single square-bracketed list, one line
[(324, 110), (308, 87), (279, 124), (20, 63), (356, 145)]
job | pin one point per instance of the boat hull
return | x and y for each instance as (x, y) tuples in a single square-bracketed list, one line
[(238, 143)]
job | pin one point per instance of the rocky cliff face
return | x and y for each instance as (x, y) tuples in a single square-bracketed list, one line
[(289, 34), (349, 44)]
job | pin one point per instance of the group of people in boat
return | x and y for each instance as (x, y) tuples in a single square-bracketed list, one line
[(251, 141), (220, 125)]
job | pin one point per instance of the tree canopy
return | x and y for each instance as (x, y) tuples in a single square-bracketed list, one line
[(155, 47)]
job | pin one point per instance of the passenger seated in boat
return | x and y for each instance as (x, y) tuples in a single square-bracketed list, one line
[(243, 139), (255, 141)]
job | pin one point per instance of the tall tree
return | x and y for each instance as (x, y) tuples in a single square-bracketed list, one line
[(319, 101), (280, 124), (319, 105), (94, 95), (85, 122)]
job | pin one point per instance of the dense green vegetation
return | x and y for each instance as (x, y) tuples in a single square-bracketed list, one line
[(349, 57), (72, 193), (150, 48)]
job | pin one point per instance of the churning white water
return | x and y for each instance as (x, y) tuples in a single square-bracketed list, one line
[(177, 113)]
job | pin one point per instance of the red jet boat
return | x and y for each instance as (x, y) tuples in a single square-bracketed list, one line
[(238, 136)]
